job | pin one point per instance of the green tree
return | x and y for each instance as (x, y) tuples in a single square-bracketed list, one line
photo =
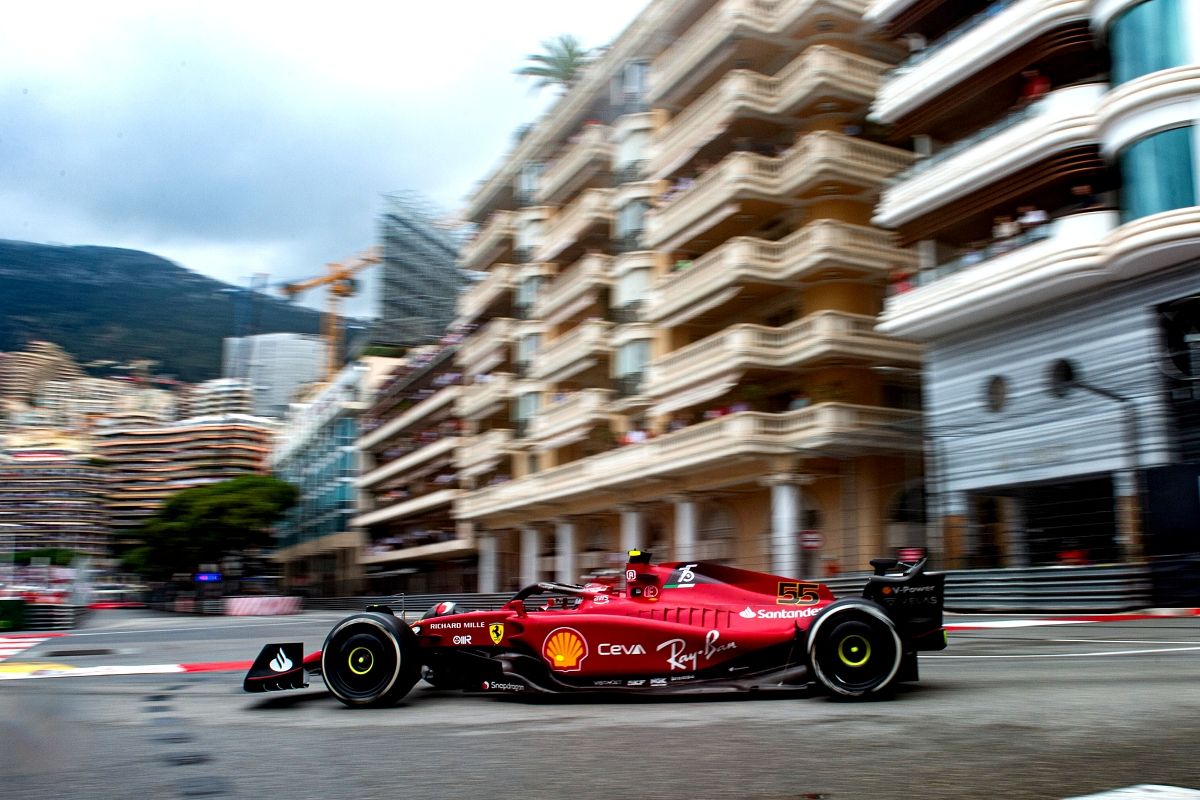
[(207, 523), (560, 65)]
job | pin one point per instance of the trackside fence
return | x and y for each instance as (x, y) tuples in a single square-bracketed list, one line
[(1095, 589)]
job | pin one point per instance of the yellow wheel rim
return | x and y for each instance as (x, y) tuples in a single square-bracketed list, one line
[(854, 651), (361, 661)]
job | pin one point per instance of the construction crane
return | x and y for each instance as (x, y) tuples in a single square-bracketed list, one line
[(341, 282)]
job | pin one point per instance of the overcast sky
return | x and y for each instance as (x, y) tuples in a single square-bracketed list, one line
[(236, 138)]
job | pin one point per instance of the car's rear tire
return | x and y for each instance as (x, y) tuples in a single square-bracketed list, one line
[(854, 649), (370, 659)]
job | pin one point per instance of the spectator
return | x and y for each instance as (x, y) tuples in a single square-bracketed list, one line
[(1036, 86), (1083, 199), (1005, 227), (1031, 217), (799, 400)]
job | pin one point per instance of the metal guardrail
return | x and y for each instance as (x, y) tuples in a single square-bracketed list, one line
[(1094, 589), (47, 617)]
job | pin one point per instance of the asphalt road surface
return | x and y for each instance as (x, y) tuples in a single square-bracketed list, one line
[(1049, 711)]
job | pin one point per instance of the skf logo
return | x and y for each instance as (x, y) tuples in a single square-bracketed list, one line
[(565, 649), (496, 631)]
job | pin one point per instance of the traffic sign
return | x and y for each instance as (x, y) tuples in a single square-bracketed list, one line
[(811, 540)]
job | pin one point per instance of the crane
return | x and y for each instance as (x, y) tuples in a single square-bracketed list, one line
[(340, 280)]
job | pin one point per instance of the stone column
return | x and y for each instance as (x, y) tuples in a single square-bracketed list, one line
[(687, 513), (564, 563), (531, 551), (787, 513), (485, 543), (633, 528)]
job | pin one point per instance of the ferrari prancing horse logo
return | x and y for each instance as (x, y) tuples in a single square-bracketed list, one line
[(496, 631)]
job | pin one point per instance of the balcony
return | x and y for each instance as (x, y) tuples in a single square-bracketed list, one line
[(482, 399), (570, 418), (572, 353), (492, 241), (408, 462), (484, 453), (590, 213), (574, 290), (581, 161), (1061, 121), (823, 336), (745, 268), (409, 418), (824, 160), (736, 29), (1068, 255), (821, 73), (490, 290), (488, 347), (406, 508), (971, 48), (846, 429)]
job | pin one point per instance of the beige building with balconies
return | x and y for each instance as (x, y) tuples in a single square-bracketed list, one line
[(673, 339)]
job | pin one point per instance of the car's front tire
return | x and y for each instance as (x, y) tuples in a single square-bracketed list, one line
[(370, 659), (854, 649)]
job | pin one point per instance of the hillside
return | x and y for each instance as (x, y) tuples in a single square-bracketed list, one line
[(110, 303)]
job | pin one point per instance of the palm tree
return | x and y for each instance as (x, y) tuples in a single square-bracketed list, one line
[(560, 65)]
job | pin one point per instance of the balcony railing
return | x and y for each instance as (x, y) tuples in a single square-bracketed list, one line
[(573, 352), (482, 399), (734, 18), (1063, 258), (485, 452), (629, 313), (501, 226), (975, 45), (848, 428), (821, 72), (630, 384), (629, 173), (593, 208), (592, 150), (850, 337), (500, 279), (486, 347), (579, 409), (588, 274), (1064, 119), (815, 158), (816, 246)]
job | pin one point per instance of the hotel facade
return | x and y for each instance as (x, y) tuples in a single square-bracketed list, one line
[(672, 341), (1055, 218)]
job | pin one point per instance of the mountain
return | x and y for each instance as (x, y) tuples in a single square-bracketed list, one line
[(111, 303)]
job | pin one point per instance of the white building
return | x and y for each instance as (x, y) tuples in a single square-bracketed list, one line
[(275, 365)]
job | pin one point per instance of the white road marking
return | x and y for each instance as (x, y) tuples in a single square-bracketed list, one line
[(1146, 791), (931, 657), (1015, 623)]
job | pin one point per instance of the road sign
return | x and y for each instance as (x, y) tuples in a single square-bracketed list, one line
[(811, 540)]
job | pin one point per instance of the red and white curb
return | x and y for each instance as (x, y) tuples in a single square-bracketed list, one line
[(13, 643), (16, 672)]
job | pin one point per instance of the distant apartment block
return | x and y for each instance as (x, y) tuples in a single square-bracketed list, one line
[(218, 396), (51, 495)]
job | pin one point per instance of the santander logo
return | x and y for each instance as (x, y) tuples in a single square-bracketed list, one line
[(281, 663), (747, 613)]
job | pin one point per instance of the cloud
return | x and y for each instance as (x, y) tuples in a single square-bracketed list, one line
[(242, 139)]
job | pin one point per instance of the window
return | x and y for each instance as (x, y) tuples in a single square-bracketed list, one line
[(631, 287), (528, 289), (1149, 37), (527, 347), (631, 219), (632, 357), (996, 393), (1158, 174), (527, 181)]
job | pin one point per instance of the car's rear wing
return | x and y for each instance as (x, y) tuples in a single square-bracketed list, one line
[(913, 598)]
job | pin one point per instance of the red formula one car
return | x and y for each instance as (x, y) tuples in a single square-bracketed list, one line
[(679, 627)]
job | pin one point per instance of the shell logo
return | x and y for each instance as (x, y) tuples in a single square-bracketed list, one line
[(565, 649)]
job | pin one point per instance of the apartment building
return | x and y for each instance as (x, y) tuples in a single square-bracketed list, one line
[(23, 371), (51, 495), (78, 403), (1054, 215), (409, 481), (674, 342), (314, 450), (274, 367), (147, 460), (216, 397)]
